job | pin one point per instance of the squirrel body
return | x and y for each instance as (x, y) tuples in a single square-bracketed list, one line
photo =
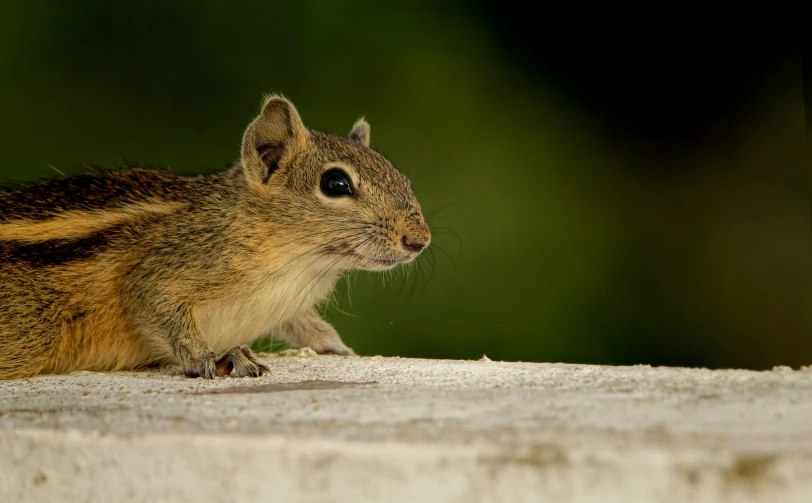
[(124, 269)]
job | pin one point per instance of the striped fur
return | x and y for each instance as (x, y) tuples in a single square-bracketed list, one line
[(124, 269)]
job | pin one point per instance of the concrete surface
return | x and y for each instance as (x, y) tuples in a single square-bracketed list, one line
[(391, 429)]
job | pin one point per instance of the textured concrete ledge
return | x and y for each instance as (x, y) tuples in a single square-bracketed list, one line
[(391, 429)]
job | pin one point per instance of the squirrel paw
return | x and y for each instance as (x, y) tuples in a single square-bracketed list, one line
[(205, 367), (339, 351), (239, 362)]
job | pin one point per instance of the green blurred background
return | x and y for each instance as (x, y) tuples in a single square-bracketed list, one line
[(619, 194)]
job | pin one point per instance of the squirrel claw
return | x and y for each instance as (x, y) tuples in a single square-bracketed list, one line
[(338, 352), (240, 362), (205, 368)]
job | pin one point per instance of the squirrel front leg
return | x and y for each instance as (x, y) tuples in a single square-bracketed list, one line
[(308, 329), (179, 329)]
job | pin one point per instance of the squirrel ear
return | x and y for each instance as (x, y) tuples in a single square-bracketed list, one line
[(360, 132), (277, 133)]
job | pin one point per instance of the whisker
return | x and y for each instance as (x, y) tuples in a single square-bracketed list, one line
[(411, 292), (432, 259), (348, 282), (324, 271), (435, 211), (344, 312), (333, 302), (320, 276), (420, 269), (303, 270), (441, 230), (406, 273), (454, 264), (271, 275)]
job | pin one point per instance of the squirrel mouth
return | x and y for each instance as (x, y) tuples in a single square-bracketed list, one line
[(381, 262), (386, 261), (390, 261)]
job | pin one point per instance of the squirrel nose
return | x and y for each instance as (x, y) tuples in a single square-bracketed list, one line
[(414, 246)]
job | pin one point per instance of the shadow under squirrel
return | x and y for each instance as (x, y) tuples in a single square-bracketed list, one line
[(123, 269)]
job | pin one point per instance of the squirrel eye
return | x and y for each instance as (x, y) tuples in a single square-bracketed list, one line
[(336, 183)]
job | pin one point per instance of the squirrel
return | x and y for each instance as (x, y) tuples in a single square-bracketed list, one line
[(123, 269)]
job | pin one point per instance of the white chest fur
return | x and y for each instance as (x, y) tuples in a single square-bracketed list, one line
[(265, 305)]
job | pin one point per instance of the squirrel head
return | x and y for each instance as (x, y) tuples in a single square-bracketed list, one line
[(332, 195)]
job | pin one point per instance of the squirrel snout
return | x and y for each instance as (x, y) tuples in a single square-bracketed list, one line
[(413, 245)]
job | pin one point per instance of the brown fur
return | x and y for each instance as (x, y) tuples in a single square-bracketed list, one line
[(130, 268)]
